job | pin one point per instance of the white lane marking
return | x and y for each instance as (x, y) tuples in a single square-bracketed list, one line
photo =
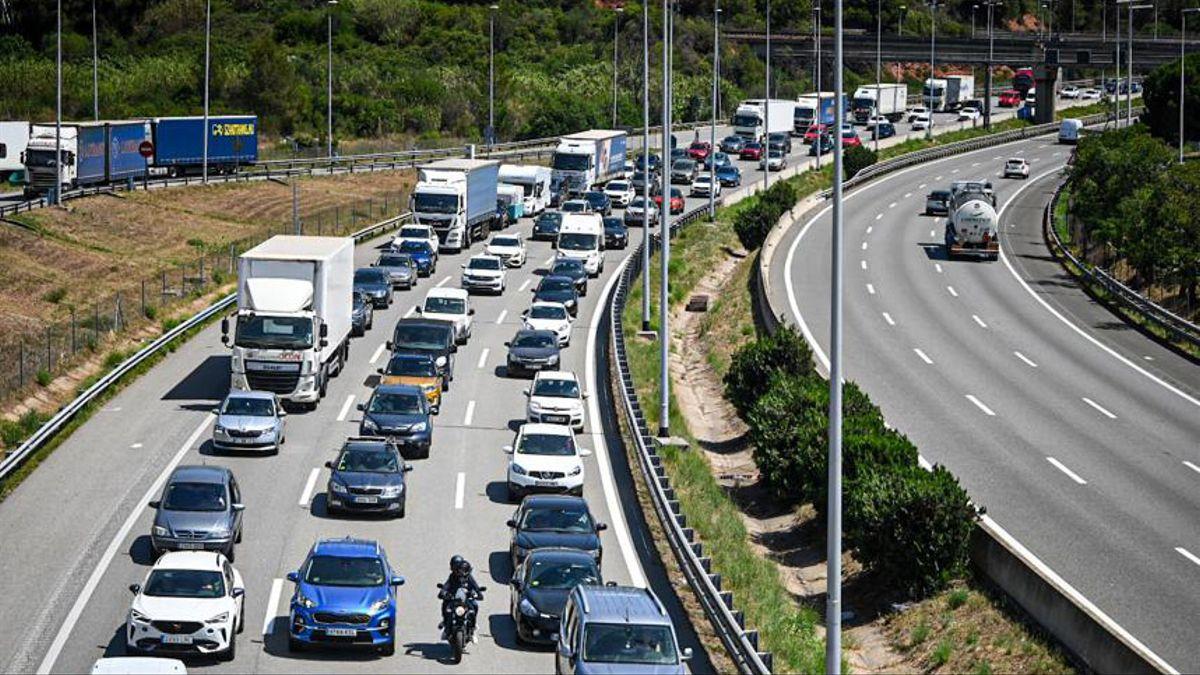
[(870, 229), (923, 356), (524, 285), (888, 318), (1063, 468), (979, 404), (309, 486), (1026, 359), (272, 606), (378, 353), (921, 186), (1191, 466), (467, 418), (410, 311), (997, 157), (952, 291), (135, 446), (907, 195), (954, 171), (345, 408), (81, 601), (871, 289), (938, 267), (864, 246), (443, 281), (550, 260), (974, 164), (879, 216), (979, 321), (1099, 408), (483, 357), (1148, 358), (863, 264), (892, 205), (1057, 154), (460, 486), (937, 177), (503, 314), (1187, 554)]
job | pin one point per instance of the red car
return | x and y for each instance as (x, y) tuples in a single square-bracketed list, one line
[(1010, 98), (699, 150), (814, 131), (752, 150), (676, 201), (850, 138)]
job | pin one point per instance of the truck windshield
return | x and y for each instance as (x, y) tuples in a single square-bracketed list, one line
[(936, 91), (435, 203), (746, 120), (526, 188), (274, 332), (569, 162), (803, 113), (42, 157), (577, 241), (864, 102)]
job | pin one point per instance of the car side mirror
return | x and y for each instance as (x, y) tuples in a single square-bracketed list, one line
[(419, 310), (135, 588), (329, 465), (471, 312), (600, 527), (511, 523), (225, 340), (388, 345), (516, 584), (507, 343), (508, 449), (407, 467), (155, 504), (237, 592), (216, 411), (363, 406), (564, 651), (610, 583), (585, 394), (584, 452), (238, 508), (324, 342), (526, 392), (397, 580), (379, 371), (293, 577), (463, 266), (439, 584), (282, 412), (324, 330), (224, 326)]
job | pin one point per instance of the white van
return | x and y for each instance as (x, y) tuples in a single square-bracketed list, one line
[(1069, 131), (534, 182), (581, 237)]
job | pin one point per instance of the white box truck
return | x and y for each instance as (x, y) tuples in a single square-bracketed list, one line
[(534, 181), (14, 137), (589, 159), (457, 198), (889, 100), (751, 119), (947, 94), (292, 326)]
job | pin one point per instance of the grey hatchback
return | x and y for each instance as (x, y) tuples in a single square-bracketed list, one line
[(200, 510), (249, 420)]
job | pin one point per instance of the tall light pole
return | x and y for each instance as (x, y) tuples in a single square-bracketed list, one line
[(878, 70), (987, 101), (646, 167), (1103, 22), (1129, 58), (833, 553), (973, 8), (1119, 77), (933, 5), (329, 82), (491, 128), (767, 109), (664, 234), (900, 20), (616, 34), (58, 111), (207, 59), (712, 130), (95, 69), (1182, 56), (817, 63)]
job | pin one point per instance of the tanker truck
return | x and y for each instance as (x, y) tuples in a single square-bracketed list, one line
[(972, 227)]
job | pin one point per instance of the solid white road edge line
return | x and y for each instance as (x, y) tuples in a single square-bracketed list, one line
[(341, 417), (1100, 408), (1063, 468), (272, 607), (85, 595), (979, 404), (377, 354), (1191, 466), (460, 486), (306, 495)]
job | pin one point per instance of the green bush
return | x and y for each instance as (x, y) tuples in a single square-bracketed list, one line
[(755, 220), (753, 365), (909, 526), (55, 296), (44, 377), (13, 432), (150, 311), (856, 158)]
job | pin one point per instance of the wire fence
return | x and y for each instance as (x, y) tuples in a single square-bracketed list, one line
[(34, 353)]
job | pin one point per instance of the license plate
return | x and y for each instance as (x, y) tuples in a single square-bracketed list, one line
[(556, 419), (547, 483), (177, 639), (341, 632), (366, 500), (190, 546)]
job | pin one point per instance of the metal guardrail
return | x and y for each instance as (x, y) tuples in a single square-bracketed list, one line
[(1178, 327), (740, 642), (55, 424)]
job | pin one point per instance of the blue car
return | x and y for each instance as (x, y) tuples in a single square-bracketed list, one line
[(422, 254), (730, 176), (345, 595), (883, 130)]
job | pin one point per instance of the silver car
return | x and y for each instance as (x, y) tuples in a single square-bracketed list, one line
[(249, 420), (200, 510)]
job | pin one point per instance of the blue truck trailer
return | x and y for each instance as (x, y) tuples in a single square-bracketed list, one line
[(179, 144), (92, 153)]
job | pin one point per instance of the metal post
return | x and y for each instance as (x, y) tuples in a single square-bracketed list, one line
[(1182, 56), (712, 130), (74, 343), (987, 101), (646, 166), (1117, 89), (664, 234), (1103, 26), (95, 69), (973, 8), (58, 114), (900, 20), (296, 208), (491, 130), (817, 45), (932, 63), (833, 607), (207, 40), (879, 66), (616, 34), (767, 110)]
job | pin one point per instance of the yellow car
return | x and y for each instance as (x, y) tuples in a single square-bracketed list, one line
[(415, 369)]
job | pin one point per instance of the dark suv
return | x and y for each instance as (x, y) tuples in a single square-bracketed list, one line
[(427, 336), (600, 202)]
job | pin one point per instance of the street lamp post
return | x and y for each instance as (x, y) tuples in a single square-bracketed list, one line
[(207, 70), (817, 63), (1129, 59), (933, 5), (95, 69), (987, 101), (878, 70), (767, 108), (616, 34), (1182, 41), (664, 234), (900, 20), (646, 167), (58, 111), (712, 130), (491, 129), (329, 82), (973, 8)]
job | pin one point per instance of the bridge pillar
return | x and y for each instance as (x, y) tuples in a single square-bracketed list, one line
[(1045, 78), (987, 97)]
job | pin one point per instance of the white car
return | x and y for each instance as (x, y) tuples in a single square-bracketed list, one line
[(551, 316), (875, 120), (704, 184), (138, 665), (774, 161), (620, 192), (418, 233), (919, 111), (545, 458), (1069, 91), (556, 398), (453, 305), (969, 113), (509, 248), (576, 206), (921, 122), (1089, 95), (483, 273), (1016, 167), (191, 602)]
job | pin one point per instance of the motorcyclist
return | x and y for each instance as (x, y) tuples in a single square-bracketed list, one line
[(460, 577)]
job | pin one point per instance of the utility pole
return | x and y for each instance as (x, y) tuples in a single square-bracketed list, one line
[(616, 33), (664, 234), (817, 42), (646, 167), (1129, 69), (1182, 56), (58, 112), (933, 5), (987, 101), (207, 59), (712, 130), (878, 69), (900, 20), (95, 69), (833, 553), (329, 83), (767, 109), (491, 129)]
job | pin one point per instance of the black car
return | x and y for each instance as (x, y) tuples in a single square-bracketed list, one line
[(546, 225), (733, 144), (823, 144), (399, 412), (540, 587), (654, 162), (639, 181), (543, 521), (362, 315), (375, 283), (555, 288), (600, 202), (780, 141), (367, 477), (883, 130), (427, 336), (616, 235), (573, 268), (532, 350)]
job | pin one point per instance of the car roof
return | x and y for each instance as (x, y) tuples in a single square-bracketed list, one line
[(410, 389), (348, 546), (545, 429), (1015, 159), (193, 473), (555, 375), (560, 554), (554, 500), (190, 560), (547, 303), (432, 323), (262, 395), (456, 293), (366, 442), (620, 604), (534, 331)]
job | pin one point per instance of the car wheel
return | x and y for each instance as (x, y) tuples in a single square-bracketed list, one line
[(389, 647), (295, 645)]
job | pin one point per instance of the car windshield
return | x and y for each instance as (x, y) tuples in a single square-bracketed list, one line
[(554, 574), (637, 203), (483, 264), (421, 337), (628, 643), (753, 146), (556, 388), (940, 194), (328, 570), (413, 246), (370, 276), (558, 519), (395, 261), (556, 285), (393, 403), (546, 444), (410, 366), (576, 241), (249, 407), (445, 305), (703, 178), (185, 584), (575, 207), (195, 497), (732, 140), (618, 186), (369, 460), (256, 331), (549, 218), (746, 120), (424, 202), (775, 154), (547, 312), (414, 232), (596, 198), (568, 267), (506, 242), (534, 340), (683, 165)]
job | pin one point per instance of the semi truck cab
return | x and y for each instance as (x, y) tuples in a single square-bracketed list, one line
[(441, 205)]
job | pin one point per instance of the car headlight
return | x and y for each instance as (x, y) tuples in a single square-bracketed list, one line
[(527, 608), (576, 471), (137, 617), (570, 303), (419, 427), (369, 426), (534, 406), (518, 469), (380, 605), (220, 618), (218, 429), (552, 360), (391, 491), (428, 388), (160, 531), (337, 486), (441, 362), (304, 601)]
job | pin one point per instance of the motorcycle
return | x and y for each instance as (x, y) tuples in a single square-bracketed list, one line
[(461, 627)]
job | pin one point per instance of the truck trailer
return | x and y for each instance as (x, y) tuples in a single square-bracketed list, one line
[(92, 153), (972, 227), (589, 159), (889, 100), (947, 94), (457, 198), (292, 326), (755, 118), (14, 138), (179, 144)]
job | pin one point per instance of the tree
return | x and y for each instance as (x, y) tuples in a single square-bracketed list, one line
[(1172, 207), (1161, 96)]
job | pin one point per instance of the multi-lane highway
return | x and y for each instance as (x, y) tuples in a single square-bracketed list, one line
[(1079, 435)]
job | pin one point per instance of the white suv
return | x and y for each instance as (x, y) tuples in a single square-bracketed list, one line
[(191, 602), (453, 305), (417, 233), (507, 247), (484, 273), (556, 398), (545, 459), (551, 316)]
